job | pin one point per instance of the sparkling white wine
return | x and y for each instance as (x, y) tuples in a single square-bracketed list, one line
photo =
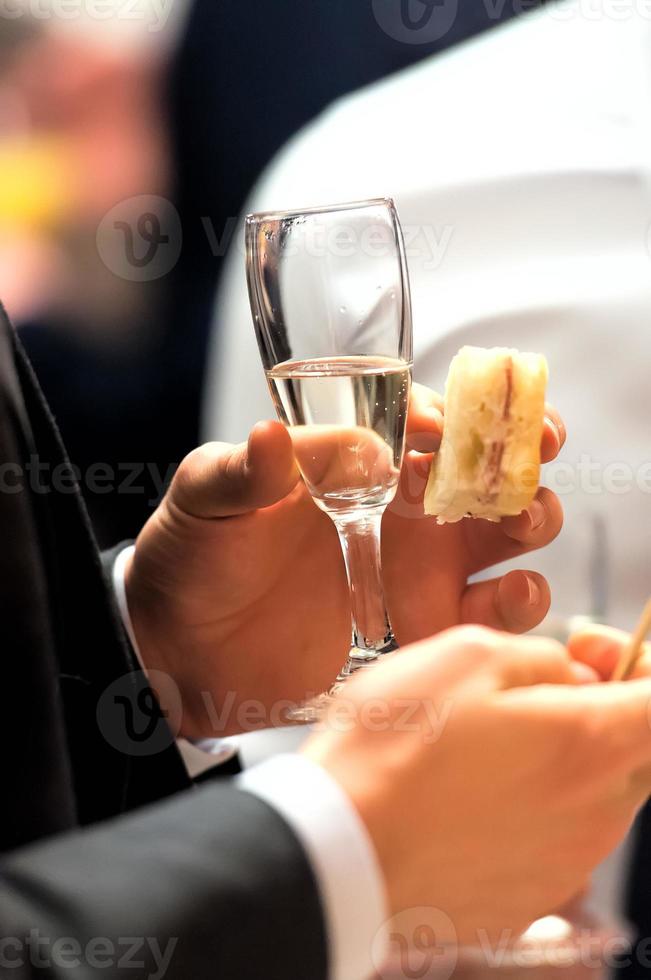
[(346, 417)]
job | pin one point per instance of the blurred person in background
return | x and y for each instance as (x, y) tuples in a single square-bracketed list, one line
[(84, 145), (520, 166)]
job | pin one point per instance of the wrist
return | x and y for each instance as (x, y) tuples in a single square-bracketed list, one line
[(145, 614), (140, 627), (162, 649), (139, 615), (359, 784)]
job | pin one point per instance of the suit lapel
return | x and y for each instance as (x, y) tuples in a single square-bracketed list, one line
[(37, 772), (80, 650)]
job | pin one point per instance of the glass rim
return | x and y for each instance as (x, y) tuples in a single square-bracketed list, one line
[(255, 217)]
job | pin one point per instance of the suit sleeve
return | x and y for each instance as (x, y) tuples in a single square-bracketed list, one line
[(212, 884)]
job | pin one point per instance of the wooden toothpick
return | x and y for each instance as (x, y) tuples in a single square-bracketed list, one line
[(632, 653)]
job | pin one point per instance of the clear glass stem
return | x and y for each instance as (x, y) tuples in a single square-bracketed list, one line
[(372, 636)]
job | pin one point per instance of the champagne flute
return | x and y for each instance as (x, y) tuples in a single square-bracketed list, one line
[(330, 299)]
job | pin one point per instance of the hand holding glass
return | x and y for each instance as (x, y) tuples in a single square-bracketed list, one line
[(330, 299)]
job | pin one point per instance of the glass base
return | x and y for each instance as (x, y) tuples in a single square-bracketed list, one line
[(358, 659)]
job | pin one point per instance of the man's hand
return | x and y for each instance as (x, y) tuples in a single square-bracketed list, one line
[(508, 780), (238, 590), (600, 647)]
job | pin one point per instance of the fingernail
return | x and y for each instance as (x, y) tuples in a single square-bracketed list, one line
[(553, 426), (534, 591), (435, 416), (601, 645), (583, 673), (537, 514)]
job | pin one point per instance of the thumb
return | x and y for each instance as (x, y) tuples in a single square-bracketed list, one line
[(220, 480)]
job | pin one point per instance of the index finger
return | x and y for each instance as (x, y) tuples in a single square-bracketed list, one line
[(424, 420), (554, 435), (527, 661), (600, 647)]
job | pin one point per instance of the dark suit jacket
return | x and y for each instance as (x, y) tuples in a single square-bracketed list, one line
[(102, 835)]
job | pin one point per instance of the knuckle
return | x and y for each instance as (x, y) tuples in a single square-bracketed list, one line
[(595, 728), (481, 645), (556, 655), (546, 663), (571, 746), (199, 468), (184, 476), (582, 723), (200, 459), (482, 637), (581, 735)]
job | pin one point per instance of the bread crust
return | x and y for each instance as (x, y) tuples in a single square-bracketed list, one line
[(488, 465)]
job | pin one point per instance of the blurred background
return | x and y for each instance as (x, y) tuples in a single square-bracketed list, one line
[(132, 134)]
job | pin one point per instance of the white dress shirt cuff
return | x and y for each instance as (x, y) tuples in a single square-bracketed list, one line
[(340, 852), (119, 588)]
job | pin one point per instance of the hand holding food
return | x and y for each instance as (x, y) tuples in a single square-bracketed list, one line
[(489, 461), (238, 550)]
